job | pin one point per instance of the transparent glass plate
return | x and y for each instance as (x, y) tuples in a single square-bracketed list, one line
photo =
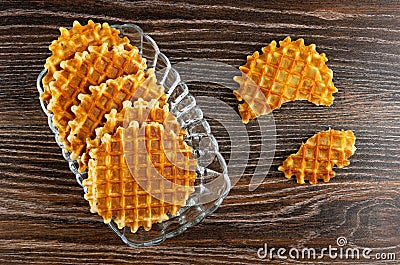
[(212, 182)]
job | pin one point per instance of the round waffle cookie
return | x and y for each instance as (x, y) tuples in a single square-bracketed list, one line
[(89, 113), (113, 192), (290, 72), (85, 69), (316, 158), (77, 39)]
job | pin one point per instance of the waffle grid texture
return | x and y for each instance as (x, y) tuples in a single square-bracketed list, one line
[(114, 193), (77, 39), (84, 70), (317, 157), (290, 72), (90, 112)]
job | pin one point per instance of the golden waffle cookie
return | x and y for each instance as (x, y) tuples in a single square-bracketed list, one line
[(316, 158), (84, 70), (89, 114), (290, 72), (114, 193), (150, 111), (77, 39)]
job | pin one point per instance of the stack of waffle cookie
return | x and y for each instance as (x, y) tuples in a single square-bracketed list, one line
[(113, 118)]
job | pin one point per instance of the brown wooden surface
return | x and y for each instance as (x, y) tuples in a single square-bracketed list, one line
[(44, 218)]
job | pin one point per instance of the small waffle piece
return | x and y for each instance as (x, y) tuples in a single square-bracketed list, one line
[(114, 193), (290, 72), (89, 113), (316, 158), (77, 39), (84, 70)]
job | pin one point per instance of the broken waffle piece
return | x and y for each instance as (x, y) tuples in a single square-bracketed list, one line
[(316, 158), (77, 39), (116, 195), (289, 72), (86, 69), (89, 113)]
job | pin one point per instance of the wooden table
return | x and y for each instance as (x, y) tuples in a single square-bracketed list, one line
[(44, 218)]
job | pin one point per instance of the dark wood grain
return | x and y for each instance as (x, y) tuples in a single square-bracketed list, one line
[(44, 218)]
